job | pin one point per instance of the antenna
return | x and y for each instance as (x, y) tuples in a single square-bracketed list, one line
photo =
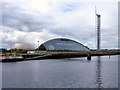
[(95, 10)]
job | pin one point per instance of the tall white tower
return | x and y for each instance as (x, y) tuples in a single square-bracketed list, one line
[(98, 28)]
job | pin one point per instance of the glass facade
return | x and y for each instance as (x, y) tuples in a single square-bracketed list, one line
[(63, 44)]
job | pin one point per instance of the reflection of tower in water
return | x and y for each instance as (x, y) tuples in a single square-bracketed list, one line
[(98, 73)]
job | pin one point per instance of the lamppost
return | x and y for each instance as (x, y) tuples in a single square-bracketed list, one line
[(38, 45)]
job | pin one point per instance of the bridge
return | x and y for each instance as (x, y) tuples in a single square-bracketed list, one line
[(60, 54)]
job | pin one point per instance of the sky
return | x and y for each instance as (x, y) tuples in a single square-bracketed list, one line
[(41, 20)]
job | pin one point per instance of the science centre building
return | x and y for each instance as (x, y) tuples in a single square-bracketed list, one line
[(63, 44)]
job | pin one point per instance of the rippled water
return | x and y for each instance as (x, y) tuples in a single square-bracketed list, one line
[(100, 72)]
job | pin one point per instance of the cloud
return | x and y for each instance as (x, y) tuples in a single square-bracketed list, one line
[(31, 21), (11, 36)]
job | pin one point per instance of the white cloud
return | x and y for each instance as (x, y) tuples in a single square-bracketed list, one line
[(62, 0), (31, 21), (11, 36)]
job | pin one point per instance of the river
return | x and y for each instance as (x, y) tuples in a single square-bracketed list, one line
[(99, 72)]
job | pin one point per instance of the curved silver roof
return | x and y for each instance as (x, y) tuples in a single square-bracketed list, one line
[(22, 45), (63, 44)]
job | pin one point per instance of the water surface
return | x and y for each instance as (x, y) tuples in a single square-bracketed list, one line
[(100, 72)]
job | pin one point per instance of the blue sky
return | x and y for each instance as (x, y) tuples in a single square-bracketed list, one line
[(33, 20)]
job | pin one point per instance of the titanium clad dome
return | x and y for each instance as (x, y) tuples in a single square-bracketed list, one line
[(63, 44), (24, 45)]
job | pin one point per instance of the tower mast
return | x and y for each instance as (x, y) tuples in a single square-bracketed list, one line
[(98, 27)]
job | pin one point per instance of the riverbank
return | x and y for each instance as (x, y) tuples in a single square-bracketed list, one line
[(59, 54)]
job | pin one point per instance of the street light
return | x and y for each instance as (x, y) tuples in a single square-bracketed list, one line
[(38, 45)]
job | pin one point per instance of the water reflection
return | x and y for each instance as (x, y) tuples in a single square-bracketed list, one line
[(98, 73)]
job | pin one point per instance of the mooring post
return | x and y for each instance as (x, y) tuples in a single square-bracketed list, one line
[(88, 57)]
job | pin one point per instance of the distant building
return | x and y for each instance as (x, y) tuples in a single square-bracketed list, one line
[(30, 52), (63, 44)]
